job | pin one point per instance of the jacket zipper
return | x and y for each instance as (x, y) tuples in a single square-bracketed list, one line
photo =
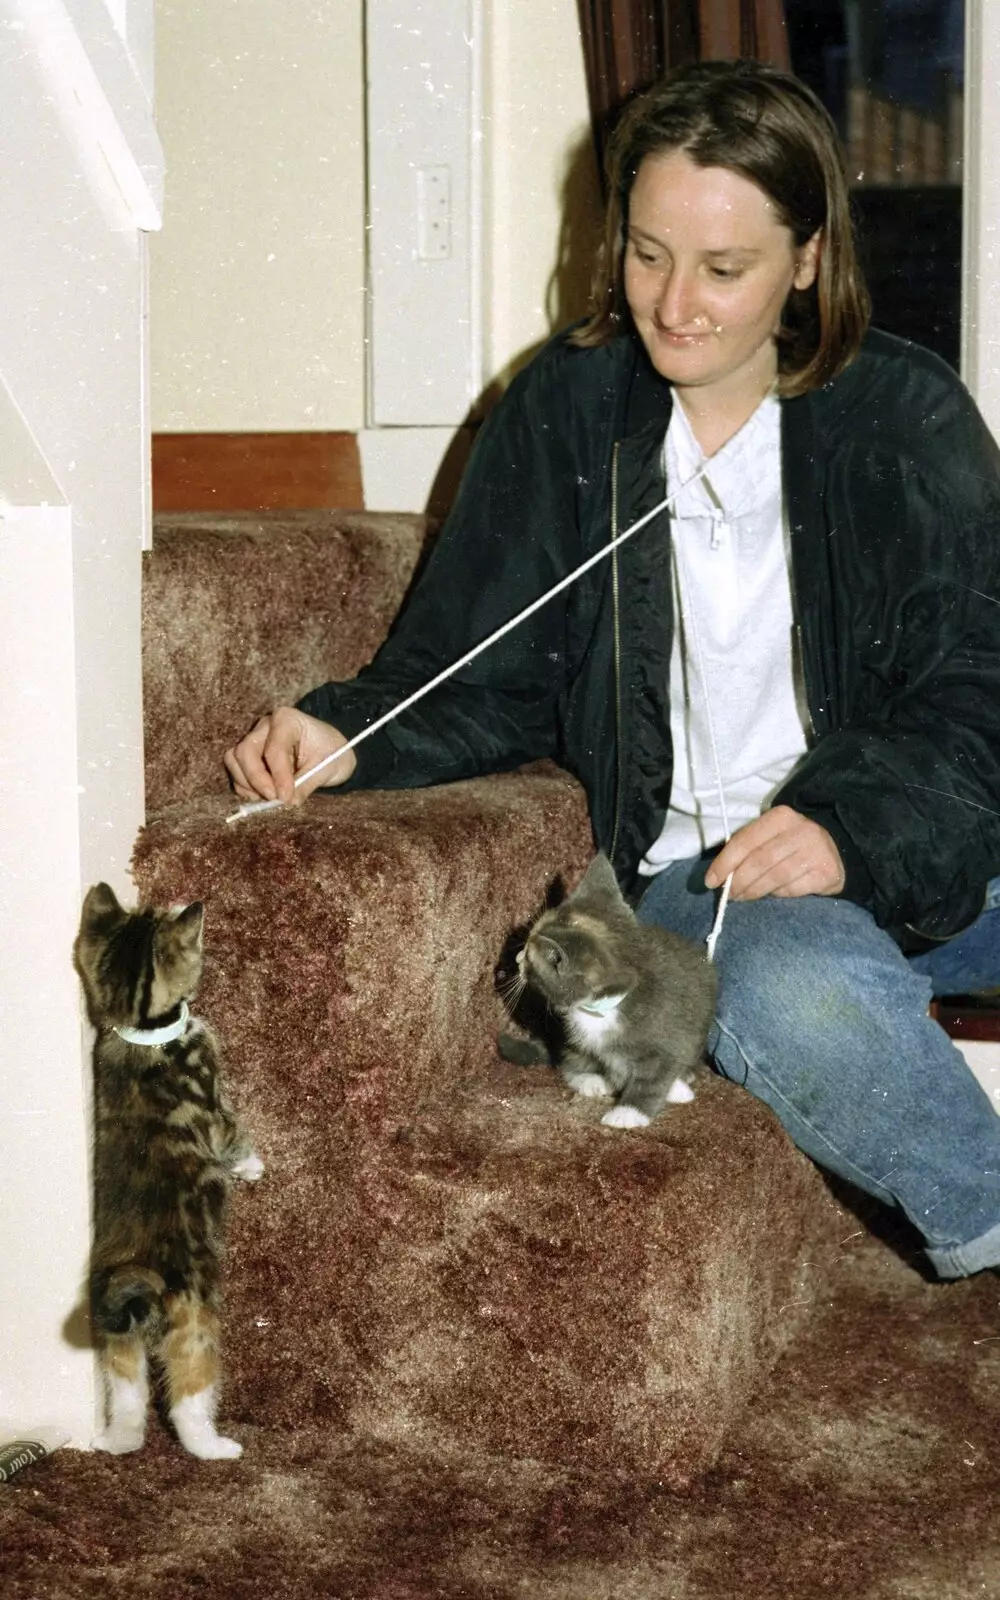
[(799, 669), (616, 623)]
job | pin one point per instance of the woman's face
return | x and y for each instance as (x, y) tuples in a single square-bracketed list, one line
[(708, 267)]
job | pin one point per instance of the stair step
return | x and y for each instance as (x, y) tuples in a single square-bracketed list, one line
[(248, 611), (352, 943), (462, 1252), (583, 1296)]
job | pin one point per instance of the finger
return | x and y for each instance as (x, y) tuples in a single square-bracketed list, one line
[(250, 776), (779, 851), (242, 790), (280, 758), (240, 782), (810, 864), (319, 743), (786, 879), (764, 871), (809, 882), (796, 872), (819, 877), (336, 772), (782, 854), (237, 775), (235, 772), (741, 846), (729, 859)]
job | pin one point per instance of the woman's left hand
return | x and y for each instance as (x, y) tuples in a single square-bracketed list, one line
[(780, 853)]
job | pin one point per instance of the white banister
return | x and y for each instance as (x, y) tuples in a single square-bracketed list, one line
[(98, 91)]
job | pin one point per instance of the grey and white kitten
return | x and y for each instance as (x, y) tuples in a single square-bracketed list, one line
[(635, 1003)]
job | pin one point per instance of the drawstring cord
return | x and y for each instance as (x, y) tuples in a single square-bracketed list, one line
[(690, 622)]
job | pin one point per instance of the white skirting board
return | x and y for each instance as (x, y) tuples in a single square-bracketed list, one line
[(412, 469), (983, 1056)]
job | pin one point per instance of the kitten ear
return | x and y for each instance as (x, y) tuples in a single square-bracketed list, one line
[(100, 905), (100, 919), (188, 925), (599, 881)]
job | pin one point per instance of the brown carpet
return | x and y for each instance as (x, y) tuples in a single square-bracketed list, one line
[(866, 1469), (445, 1251), (242, 613), (477, 1344)]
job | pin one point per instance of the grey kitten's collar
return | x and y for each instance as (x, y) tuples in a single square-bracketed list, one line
[(604, 1007), (156, 1036)]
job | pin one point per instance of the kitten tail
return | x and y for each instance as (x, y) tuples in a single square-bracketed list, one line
[(523, 1052), (127, 1298)]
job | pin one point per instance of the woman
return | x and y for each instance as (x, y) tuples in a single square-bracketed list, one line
[(802, 657)]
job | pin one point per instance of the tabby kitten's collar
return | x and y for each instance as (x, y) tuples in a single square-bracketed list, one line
[(156, 1036)]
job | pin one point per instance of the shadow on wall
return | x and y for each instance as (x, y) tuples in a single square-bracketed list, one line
[(568, 293), (567, 298)]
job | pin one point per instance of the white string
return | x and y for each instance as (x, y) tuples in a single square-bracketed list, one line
[(690, 617), (251, 807)]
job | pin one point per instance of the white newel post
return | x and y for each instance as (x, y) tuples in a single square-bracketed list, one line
[(79, 182)]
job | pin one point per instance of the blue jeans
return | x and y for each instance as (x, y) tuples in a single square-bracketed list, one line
[(821, 1016)]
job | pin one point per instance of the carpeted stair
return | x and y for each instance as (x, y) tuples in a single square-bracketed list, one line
[(478, 1344)]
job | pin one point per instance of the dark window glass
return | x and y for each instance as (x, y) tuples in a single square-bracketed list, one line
[(890, 71)]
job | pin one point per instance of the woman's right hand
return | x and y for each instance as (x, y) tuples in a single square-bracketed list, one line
[(266, 762)]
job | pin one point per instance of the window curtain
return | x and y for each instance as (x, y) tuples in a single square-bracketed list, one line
[(629, 43)]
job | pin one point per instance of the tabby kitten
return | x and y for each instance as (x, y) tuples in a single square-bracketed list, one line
[(166, 1150), (635, 1002)]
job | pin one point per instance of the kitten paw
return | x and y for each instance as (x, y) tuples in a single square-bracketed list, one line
[(589, 1084), (250, 1168), (679, 1093), (119, 1441), (194, 1424), (625, 1117), (214, 1448)]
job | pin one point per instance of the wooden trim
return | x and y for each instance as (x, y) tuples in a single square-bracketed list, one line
[(969, 1022), (256, 472)]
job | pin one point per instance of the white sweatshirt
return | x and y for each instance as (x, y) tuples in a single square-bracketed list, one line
[(732, 598)]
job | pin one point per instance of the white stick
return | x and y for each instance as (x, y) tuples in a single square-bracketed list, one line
[(251, 807), (713, 937)]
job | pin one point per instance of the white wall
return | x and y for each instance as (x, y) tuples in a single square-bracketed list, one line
[(423, 115), (538, 131), (73, 479), (260, 108), (258, 277), (514, 130)]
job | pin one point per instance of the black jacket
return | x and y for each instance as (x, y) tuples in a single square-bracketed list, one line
[(892, 486)]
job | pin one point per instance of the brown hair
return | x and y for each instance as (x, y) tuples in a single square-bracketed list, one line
[(767, 126)]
